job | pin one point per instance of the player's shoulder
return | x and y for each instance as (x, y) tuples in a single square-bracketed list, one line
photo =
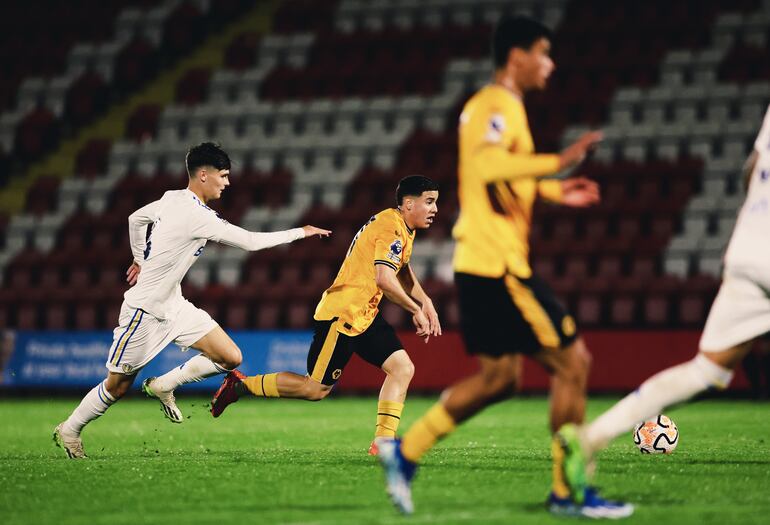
[(387, 219), (390, 223), (492, 107), (494, 97), (189, 201)]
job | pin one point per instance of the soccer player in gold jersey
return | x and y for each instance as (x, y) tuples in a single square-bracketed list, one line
[(505, 310), (347, 319)]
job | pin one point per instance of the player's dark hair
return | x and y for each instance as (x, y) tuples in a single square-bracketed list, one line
[(206, 154), (517, 31), (414, 186)]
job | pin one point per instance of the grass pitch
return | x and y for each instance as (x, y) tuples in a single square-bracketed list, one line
[(292, 462)]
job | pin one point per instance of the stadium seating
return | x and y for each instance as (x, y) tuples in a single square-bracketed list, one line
[(324, 115)]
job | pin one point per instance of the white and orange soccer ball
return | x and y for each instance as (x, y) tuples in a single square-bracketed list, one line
[(657, 435)]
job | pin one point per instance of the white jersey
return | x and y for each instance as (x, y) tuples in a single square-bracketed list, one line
[(750, 243), (181, 226)]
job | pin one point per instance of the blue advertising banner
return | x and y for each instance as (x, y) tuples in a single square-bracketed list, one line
[(76, 359)]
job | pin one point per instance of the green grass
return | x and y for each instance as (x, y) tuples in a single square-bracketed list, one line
[(292, 462)]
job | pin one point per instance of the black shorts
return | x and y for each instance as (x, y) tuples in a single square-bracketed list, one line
[(330, 350), (510, 315)]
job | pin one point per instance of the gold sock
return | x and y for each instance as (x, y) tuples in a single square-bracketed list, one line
[(262, 385), (388, 418), (435, 424), (560, 488)]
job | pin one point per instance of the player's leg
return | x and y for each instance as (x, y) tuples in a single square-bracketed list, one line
[(495, 381), (277, 384), (399, 371), (129, 344), (708, 370), (328, 354), (380, 346), (569, 369), (571, 493), (574, 447), (740, 313), (95, 403), (491, 327), (193, 328)]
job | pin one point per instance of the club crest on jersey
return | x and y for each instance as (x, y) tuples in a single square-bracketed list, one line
[(496, 128), (395, 251)]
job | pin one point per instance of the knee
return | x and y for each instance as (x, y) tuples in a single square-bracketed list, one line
[(577, 372), (233, 359), (403, 370), (499, 385), (314, 391)]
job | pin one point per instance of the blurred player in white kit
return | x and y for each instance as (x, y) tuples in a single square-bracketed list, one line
[(154, 312), (739, 315)]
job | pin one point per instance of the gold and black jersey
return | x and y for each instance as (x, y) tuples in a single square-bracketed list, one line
[(500, 177), (354, 297)]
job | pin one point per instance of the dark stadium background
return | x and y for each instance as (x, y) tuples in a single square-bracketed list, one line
[(324, 106)]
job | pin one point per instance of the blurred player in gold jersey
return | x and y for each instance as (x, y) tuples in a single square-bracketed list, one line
[(348, 321), (505, 310)]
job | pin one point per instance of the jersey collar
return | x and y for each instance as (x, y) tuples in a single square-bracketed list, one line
[(400, 216)]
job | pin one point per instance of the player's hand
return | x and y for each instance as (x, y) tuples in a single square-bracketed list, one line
[(430, 312), (312, 230), (422, 325), (132, 274), (576, 152), (579, 192)]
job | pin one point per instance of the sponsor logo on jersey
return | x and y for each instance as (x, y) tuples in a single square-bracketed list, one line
[(395, 251)]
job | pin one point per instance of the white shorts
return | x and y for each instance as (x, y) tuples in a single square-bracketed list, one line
[(740, 313), (140, 336)]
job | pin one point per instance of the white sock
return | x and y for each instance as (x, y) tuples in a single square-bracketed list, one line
[(96, 403), (196, 369), (673, 385)]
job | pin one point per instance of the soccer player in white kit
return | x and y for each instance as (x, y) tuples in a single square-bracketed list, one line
[(740, 314), (154, 313)]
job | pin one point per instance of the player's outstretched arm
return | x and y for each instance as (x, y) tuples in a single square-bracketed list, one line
[(408, 280), (206, 225), (388, 282), (499, 165)]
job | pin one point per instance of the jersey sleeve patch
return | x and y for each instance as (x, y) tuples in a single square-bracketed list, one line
[(495, 128), (395, 250)]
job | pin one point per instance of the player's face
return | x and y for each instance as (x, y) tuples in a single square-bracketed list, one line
[(424, 209), (537, 65), (216, 182)]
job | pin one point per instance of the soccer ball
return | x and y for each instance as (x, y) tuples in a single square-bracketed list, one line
[(658, 435)]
